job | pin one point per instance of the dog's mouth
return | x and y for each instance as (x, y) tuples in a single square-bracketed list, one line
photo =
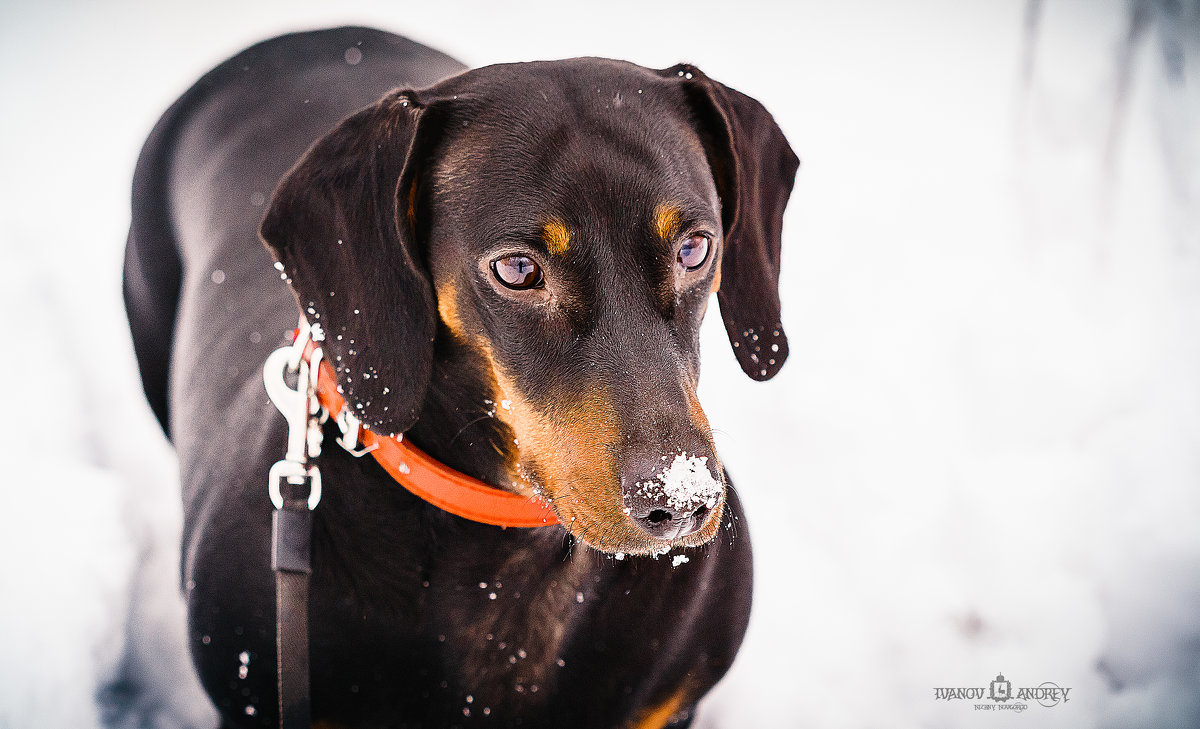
[(645, 481), (607, 495), (647, 520)]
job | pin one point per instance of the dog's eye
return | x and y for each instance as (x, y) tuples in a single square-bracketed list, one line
[(694, 252), (517, 272)]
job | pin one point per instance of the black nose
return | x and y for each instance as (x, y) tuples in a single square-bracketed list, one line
[(662, 522), (672, 498)]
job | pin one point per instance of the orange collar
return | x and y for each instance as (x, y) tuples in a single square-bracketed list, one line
[(428, 478)]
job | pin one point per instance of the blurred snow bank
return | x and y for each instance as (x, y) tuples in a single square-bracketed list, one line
[(92, 624)]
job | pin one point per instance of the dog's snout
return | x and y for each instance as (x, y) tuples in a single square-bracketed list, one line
[(671, 497), (666, 523)]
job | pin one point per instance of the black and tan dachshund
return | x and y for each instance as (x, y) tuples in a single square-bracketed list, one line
[(517, 258)]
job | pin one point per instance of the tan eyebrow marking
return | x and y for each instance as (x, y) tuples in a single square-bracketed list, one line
[(666, 220), (556, 236)]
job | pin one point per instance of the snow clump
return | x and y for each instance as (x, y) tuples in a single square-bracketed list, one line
[(686, 483)]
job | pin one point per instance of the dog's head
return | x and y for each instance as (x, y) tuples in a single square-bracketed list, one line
[(556, 229)]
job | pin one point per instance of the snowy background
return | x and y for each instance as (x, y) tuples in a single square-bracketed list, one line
[(983, 456)]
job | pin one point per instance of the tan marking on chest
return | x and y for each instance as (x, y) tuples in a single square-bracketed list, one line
[(556, 237), (657, 717)]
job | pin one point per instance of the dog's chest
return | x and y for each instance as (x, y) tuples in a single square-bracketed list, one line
[(506, 626), (459, 627)]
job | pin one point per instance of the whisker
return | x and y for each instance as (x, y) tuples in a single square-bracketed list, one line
[(726, 436), (485, 416)]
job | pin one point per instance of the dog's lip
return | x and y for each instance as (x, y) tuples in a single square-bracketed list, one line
[(623, 536), (594, 507)]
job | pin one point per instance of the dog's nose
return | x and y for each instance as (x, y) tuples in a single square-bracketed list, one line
[(666, 523), (672, 497)]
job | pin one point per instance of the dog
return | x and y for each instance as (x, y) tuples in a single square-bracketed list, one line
[(509, 265)]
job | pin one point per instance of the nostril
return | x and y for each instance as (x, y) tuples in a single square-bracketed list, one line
[(668, 524), (658, 516), (670, 500)]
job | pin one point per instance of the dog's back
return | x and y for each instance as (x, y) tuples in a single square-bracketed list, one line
[(205, 304), (237, 131)]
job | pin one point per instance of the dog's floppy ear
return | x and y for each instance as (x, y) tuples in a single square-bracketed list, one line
[(754, 169), (341, 224)]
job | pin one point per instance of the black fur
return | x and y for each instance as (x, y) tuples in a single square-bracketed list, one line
[(419, 618)]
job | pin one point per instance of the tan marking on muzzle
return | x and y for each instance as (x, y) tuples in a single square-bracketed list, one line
[(447, 303), (564, 451), (698, 418), (568, 447)]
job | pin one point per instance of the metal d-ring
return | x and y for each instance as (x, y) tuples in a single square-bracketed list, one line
[(296, 474), (351, 437)]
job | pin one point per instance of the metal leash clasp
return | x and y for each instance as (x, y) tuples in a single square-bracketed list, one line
[(302, 410)]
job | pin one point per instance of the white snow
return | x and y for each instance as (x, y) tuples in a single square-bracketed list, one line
[(685, 484), (981, 456)]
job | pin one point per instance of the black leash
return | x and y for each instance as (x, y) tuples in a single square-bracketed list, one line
[(291, 558), (291, 522)]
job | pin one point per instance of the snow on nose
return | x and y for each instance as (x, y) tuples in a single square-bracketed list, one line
[(684, 486)]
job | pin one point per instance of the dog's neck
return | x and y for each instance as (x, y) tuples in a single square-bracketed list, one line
[(457, 423)]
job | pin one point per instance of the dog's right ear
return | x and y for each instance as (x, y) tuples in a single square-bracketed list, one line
[(341, 224)]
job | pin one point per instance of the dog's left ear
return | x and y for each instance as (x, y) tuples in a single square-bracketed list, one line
[(754, 169), (341, 224)]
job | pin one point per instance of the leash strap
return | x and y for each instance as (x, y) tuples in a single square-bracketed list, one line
[(291, 558), (294, 485)]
